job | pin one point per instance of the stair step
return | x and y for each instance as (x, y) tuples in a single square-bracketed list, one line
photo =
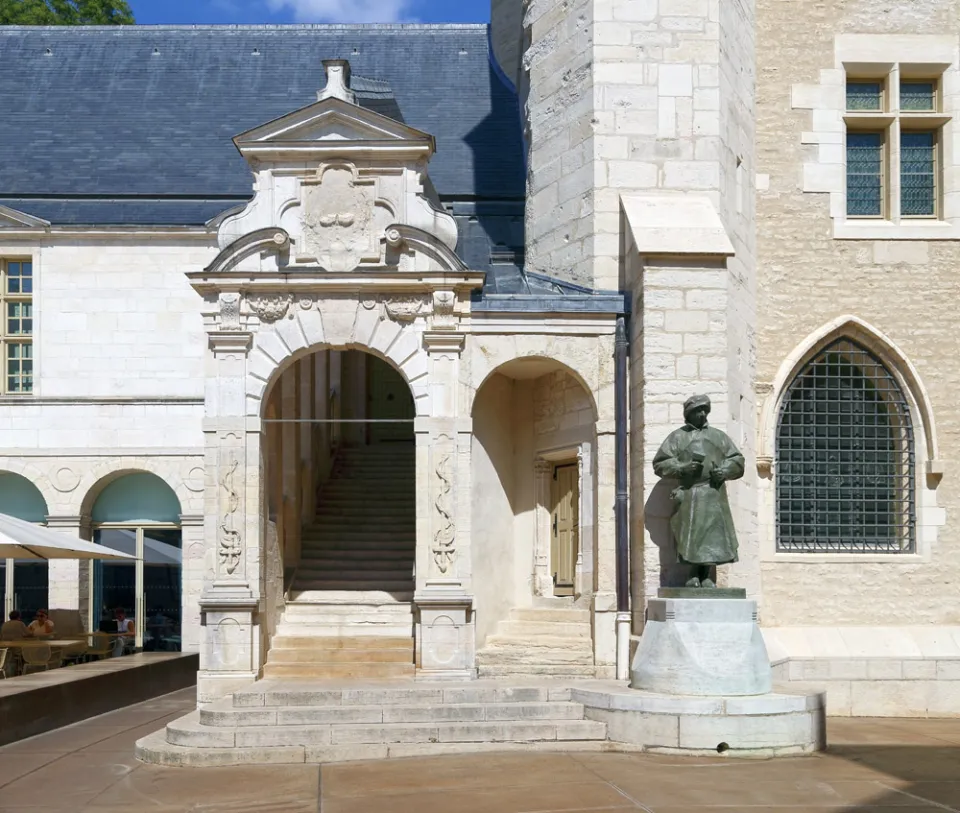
[(191, 732), (346, 585), (276, 694), (536, 614), (558, 671), (320, 554), (535, 644), (389, 602), (537, 629), (325, 671), (320, 573), (318, 656), (522, 654), (222, 714), (339, 642)]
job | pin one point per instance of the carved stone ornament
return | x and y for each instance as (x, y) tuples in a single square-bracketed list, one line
[(271, 307), (305, 301), (231, 548), (338, 219), (444, 550), (404, 309), (444, 303), (230, 311)]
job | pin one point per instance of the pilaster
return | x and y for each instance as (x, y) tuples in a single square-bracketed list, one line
[(444, 598), (230, 652), (63, 575)]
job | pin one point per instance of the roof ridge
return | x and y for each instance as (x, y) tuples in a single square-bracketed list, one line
[(251, 27)]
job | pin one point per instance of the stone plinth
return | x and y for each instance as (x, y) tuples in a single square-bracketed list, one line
[(775, 724), (701, 648)]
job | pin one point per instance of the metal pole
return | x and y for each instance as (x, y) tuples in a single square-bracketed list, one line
[(620, 418), (624, 621)]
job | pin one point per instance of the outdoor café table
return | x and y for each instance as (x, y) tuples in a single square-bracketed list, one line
[(53, 643)]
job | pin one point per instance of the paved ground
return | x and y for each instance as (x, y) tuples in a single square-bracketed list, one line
[(872, 765)]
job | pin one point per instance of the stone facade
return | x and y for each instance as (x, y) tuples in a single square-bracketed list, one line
[(685, 154), (817, 282)]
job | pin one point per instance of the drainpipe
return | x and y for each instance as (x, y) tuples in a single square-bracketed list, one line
[(622, 518)]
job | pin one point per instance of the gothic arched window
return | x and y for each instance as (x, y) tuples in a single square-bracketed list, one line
[(845, 462)]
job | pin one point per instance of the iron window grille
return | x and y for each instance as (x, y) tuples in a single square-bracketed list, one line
[(845, 471)]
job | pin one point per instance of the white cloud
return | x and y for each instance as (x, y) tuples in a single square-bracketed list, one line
[(344, 11)]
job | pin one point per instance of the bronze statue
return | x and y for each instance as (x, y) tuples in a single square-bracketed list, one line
[(702, 459)]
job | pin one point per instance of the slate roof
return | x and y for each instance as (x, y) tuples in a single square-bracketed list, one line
[(133, 125), (149, 111)]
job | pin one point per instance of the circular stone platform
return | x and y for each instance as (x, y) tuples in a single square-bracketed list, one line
[(766, 725)]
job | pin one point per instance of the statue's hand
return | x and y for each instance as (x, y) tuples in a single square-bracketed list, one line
[(693, 467), (716, 478)]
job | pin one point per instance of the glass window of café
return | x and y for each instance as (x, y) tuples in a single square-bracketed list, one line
[(139, 514), (23, 582)]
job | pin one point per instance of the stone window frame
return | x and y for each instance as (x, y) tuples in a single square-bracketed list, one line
[(929, 468), (18, 339), (862, 56)]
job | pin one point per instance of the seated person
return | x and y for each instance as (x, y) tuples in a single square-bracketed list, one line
[(14, 629), (41, 624), (126, 630)]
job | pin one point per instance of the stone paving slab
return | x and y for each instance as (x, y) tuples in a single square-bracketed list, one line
[(907, 766)]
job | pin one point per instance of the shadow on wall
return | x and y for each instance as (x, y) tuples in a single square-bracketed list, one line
[(491, 225), (656, 519)]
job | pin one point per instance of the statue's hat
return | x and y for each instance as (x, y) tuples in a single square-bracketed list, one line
[(695, 402)]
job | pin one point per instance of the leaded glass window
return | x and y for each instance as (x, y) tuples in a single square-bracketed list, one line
[(865, 96), (918, 172), (865, 174), (845, 458), (920, 97), (16, 326)]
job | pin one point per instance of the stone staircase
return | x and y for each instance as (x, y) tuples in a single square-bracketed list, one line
[(540, 642), (349, 612), (303, 721)]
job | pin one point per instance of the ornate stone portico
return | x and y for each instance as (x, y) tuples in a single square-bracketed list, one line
[(339, 248)]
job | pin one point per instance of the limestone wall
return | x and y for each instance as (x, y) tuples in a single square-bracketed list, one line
[(903, 289), (506, 34), (495, 560), (559, 123), (119, 318)]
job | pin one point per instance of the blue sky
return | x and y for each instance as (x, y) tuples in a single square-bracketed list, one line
[(154, 12)]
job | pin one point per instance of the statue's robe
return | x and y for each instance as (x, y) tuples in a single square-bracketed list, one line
[(702, 524)]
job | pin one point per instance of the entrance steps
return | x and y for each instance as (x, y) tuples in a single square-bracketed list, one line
[(542, 642), (349, 613), (306, 721)]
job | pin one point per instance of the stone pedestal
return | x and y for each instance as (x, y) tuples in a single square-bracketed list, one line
[(702, 648), (445, 638)]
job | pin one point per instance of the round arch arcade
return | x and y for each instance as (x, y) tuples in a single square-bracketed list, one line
[(139, 514), (24, 585)]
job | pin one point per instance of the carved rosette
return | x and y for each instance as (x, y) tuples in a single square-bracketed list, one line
[(230, 549), (271, 307)]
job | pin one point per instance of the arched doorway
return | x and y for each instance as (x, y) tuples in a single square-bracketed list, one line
[(534, 529), (139, 514), (24, 584), (339, 455)]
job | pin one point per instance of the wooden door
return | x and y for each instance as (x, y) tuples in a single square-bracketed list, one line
[(566, 528)]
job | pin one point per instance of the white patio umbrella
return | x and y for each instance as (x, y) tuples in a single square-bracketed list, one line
[(24, 540)]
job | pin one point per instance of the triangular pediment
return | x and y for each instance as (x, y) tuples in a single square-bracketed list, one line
[(331, 120), (13, 219)]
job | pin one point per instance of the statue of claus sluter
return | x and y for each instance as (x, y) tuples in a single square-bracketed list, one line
[(702, 459)]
